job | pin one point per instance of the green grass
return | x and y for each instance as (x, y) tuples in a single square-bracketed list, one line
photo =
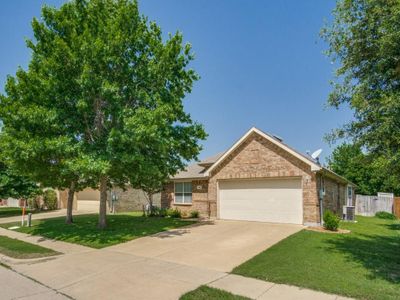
[(12, 211), (121, 228), (208, 293), (19, 249), (364, 264)]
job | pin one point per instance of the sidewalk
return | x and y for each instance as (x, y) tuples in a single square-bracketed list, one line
[(59, 246), (43, 215), (16, 286), (263, 290)]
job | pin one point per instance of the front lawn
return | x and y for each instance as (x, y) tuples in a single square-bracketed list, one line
[(12, 211), (19, 249), (363, 264), (206, 293), (84, 231)]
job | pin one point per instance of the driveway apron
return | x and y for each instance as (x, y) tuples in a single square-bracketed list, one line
[(162, 266)]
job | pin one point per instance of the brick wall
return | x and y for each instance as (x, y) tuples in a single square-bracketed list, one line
[(335, 196), (199, 198), (132, 199), (259, 158)]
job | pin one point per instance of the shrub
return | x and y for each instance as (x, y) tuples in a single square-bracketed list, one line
[(152, 211), (157, 212), (174, 213), (194, 214), (162, 212), (34, 203), (50, 199), (385, 215), (331, 221)]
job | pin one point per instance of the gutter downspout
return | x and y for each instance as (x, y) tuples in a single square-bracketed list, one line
[(321, 212), (321, 200)]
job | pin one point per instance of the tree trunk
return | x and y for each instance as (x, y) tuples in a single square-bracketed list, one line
[(70, 203), (151, 210), (103, 203), (150, 195)]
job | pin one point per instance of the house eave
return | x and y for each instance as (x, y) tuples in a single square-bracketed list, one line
[(189, 178), (333, 175)]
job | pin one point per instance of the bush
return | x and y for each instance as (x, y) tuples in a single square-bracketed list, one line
[(385, 215), (34, 203), (162, 212), (331, 221), (50, 199), (174, 213), (194, 214), (157, 212)]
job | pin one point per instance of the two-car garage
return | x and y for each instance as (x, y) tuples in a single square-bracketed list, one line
[(266, 200)]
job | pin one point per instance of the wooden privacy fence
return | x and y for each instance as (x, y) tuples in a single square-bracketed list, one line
[(370, 205), (396, 206)]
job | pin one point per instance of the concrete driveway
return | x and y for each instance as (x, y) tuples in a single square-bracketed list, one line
[(215, 245), (163, 266)]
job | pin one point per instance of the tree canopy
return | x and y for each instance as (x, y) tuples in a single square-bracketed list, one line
[(102, 98), (16, 186), (364, 39), (366, 171)]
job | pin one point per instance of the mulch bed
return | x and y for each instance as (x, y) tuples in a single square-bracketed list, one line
[(323, 230)]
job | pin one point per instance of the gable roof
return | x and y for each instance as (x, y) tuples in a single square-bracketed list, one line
[(196, 170), (210, 160), (277, 142), (202, 169)]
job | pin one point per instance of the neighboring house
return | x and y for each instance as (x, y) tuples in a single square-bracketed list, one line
[(12, 202), (259, 179), (89, 199)]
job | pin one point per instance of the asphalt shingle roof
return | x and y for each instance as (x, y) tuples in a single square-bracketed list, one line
[(197, 170)]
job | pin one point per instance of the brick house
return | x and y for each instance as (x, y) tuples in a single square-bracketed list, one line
[(126, 200), (259, 179)]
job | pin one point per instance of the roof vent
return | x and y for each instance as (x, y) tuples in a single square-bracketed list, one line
[(277, 137)]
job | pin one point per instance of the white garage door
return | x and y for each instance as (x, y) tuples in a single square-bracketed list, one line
[(89, 206), (271, 200), (88, 200)]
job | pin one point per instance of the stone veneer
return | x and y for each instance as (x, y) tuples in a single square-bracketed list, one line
[(257, 157)]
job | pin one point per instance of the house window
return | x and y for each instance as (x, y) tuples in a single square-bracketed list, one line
[(183, 192), (349, 195)]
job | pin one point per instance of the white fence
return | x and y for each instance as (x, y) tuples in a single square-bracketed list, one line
[(370, 205), (11, 202)]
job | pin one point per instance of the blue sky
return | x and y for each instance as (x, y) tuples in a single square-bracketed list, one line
[(261, 64)]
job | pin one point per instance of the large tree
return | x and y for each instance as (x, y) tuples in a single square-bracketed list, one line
[(364, 40), (115, 89), (363, 169)]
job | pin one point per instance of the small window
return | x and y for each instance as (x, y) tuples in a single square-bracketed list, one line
[(183, 192)]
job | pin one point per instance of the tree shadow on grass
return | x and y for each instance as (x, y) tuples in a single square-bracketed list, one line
[(120, 228), (181, 232), (378, 254), (393, 226)]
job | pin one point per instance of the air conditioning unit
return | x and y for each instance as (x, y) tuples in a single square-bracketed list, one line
[(349, 213)]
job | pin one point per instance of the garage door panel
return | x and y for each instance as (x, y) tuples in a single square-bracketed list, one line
[(272, 200), (88, 205)]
